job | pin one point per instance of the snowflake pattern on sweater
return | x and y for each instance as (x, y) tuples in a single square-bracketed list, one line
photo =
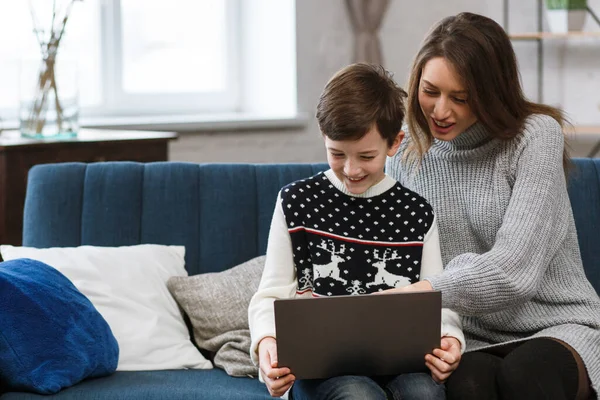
[(354, 245)]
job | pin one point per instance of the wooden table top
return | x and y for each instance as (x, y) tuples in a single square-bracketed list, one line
[(12, 138)]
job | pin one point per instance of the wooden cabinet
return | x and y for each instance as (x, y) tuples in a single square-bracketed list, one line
[(18, 155)]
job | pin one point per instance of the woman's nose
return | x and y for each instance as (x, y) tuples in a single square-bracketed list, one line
[(441, 109)]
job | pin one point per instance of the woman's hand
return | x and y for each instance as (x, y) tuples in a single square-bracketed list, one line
[(444, 360), (278, 380)]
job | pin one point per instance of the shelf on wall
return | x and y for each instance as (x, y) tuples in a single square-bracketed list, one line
[(551, 35), (539, 35), (584, 130)]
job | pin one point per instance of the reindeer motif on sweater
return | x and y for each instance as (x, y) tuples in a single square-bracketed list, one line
[(344, 244)]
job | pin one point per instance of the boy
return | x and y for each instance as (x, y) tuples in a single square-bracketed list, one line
[(351, 230)]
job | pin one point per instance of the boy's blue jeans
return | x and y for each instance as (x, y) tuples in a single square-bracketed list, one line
[(419, 386)]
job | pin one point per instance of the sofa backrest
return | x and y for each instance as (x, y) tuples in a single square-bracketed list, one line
[(220, 212), (584, 192)]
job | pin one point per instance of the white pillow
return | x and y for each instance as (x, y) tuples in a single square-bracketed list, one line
[(128, 286)]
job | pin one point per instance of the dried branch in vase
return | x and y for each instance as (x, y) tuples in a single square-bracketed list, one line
[(47, 88)]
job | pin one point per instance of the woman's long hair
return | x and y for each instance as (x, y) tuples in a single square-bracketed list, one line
[(483, 57)]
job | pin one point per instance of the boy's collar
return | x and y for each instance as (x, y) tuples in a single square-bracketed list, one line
[(381, 187)]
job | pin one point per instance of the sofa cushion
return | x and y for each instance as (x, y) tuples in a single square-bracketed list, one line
[(160, 385), (128, 286), (51, 336), (217, 305)]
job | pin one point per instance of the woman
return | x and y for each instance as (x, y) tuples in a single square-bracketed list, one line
[(492, 165)]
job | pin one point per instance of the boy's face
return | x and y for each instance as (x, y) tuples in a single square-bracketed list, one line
[(359, 163)]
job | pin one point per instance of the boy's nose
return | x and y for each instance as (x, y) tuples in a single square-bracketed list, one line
[(351, 169)]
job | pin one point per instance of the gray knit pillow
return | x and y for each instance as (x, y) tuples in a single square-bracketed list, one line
[(217, 305)]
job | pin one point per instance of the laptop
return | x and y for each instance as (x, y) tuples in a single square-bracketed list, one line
[(369, 335)]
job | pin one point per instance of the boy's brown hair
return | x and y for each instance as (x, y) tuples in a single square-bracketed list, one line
[(358, 97)]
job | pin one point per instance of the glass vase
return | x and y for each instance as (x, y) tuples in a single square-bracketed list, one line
[(49, 98)]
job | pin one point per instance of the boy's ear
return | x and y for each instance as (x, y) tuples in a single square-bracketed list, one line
[(394, 148)]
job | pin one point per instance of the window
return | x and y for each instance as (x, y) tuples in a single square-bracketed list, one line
[(173, 56), (150, 57)]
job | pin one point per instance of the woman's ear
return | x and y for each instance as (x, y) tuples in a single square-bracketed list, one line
[(394, 147)]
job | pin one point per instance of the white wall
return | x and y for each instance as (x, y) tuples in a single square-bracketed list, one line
[(324, 45)]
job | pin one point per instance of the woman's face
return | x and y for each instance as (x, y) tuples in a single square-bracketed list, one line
[(443, 100)]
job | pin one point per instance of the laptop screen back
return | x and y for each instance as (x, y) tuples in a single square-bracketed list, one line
[(357, 335)]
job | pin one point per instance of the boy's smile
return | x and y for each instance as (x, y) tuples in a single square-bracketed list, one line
[(359, 163)]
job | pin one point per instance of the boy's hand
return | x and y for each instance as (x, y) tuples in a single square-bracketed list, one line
[(420, 286), (444, 360), (278, 380)]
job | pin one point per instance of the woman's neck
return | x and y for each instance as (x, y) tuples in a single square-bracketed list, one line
[(473, 137)]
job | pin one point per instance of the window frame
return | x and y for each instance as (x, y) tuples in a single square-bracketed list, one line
[(262, 82), (116, 103)]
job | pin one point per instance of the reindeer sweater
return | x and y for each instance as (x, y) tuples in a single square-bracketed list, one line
[(325, 241)]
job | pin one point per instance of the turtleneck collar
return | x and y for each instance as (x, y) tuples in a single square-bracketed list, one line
[(474, 137)]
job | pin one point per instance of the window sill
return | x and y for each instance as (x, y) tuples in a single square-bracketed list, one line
[(200, 122), (192, 123)]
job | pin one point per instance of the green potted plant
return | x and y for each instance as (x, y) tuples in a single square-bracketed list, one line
[(566, 15)]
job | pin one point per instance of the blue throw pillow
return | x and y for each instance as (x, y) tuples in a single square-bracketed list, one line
[(51, 336)]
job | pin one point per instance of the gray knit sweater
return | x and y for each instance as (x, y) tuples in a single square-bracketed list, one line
[(508, 240)]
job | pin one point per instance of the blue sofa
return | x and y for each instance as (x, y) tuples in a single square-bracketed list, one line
[(221, 213)]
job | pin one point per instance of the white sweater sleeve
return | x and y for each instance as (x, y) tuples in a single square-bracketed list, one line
[(278, 281), (431, 265)]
